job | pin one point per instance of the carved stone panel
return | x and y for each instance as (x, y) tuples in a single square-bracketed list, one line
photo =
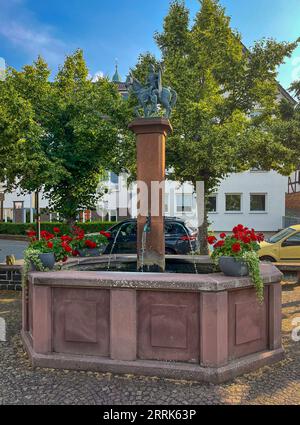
[(168, 326)]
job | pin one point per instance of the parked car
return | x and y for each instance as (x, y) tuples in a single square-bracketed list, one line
[(283, 246), (180, 237)]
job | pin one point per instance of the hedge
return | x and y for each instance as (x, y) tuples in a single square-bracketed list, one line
[(20, 228)]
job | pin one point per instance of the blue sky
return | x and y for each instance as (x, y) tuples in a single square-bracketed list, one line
[(109, 29)]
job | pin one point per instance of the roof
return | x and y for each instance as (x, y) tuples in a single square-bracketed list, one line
[(116, 77)]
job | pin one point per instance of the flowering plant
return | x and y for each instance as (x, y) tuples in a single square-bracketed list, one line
[(51, 242), (243, 245), (82, 241), (64, 246), (242, 240)]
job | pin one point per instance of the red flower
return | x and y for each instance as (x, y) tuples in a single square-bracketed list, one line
[(260, 237), (75, 253), (56, 229), (78, 232), (66, 247), (211, 240), (44, 234), (64, 259), (90, 244), (219, 244), (106, 234), (246, 239), (236, 247), (50, 245), (31, 233), (66, 238), (223, 235)]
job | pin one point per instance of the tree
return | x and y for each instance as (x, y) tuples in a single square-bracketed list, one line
[(71, 132), (226, 98)]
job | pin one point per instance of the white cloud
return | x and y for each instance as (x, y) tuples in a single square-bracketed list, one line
[(22, 30), (97, 76)]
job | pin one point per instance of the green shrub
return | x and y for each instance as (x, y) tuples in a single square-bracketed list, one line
[(20, 228)]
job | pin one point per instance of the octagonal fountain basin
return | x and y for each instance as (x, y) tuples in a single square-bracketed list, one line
[(128, 263), (206, 327)]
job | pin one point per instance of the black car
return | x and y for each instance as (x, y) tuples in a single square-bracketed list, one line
[(180, 237)]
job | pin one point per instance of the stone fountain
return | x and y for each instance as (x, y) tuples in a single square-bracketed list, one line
[(205, 327)]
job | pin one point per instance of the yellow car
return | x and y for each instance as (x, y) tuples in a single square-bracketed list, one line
[(284, 246)]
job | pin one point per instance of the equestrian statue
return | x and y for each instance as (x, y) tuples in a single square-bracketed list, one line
[(152, 94)]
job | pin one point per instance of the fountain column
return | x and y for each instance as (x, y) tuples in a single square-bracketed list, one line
[(151, 136)]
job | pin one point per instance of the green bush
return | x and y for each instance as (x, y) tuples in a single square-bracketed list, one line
[(20, 229)]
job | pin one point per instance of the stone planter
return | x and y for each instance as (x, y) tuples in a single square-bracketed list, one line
[(232, 266), (47, 259)]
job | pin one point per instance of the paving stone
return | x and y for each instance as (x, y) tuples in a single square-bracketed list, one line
[(278, 384)]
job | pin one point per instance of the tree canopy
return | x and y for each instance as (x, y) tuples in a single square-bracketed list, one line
[(227, 97), (60, 135)]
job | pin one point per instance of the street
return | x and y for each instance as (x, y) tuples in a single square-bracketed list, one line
[(9, 247)]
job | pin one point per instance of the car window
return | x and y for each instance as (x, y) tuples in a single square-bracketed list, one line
[(281, 235), (174, 229), (295, 239), (128, 229)]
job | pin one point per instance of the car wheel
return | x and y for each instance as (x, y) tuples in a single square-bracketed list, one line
[(170, 251), (267, 258)]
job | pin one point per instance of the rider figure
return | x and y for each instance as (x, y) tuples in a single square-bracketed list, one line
[(153, 82)]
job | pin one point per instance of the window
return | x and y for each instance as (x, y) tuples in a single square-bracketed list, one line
[(233, 202), (280, 235), (212, 203), (114, 178), (184, 202), (174, 229), (18, 205), (166, 203), (257, 202), (293, 240)]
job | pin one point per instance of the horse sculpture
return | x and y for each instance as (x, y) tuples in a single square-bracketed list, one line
[(149, 98)]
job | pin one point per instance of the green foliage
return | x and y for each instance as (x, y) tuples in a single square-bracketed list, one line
[(21, 229), (227, 98), (31, 259), (252, 260), (61, 135)]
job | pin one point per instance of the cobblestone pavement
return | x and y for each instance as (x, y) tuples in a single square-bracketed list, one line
[(20, 384)]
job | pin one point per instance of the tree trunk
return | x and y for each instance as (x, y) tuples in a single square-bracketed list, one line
[(202, 235), (202, 217), (71, 221)]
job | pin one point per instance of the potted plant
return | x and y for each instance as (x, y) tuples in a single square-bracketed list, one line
[(87, 245), (237, 255), (48, 250)]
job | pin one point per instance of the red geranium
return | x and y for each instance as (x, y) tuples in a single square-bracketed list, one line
[(66, 238), (66, 247), (56, 229), (50, 245), (211, 239), (236, 247), (219, 244), (31, 233), (223, 235), (90, 244), (75, 253)]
